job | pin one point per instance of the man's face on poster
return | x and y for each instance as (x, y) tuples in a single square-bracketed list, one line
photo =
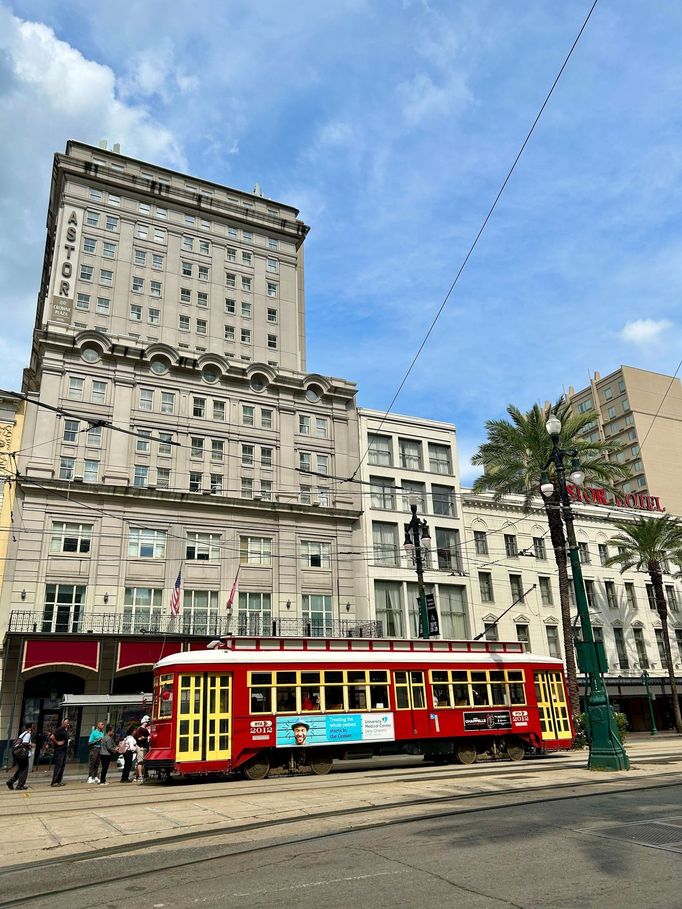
[(300, 733)]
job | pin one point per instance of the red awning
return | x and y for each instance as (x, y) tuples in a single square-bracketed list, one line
[(144, 653), (54, 652)]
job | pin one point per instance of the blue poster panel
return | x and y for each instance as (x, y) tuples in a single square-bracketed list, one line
[(335, 729)]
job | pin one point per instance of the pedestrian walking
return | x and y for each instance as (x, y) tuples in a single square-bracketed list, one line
[(141, 735), (21, 749), (128, 755), (94, 743), (107, 752), (60, 742)]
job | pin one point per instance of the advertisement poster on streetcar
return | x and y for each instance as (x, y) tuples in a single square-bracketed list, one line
[(487, 719), (338, 729)]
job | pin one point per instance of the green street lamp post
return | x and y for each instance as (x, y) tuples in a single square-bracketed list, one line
[(645, 679), (416, 533), (606, 750)]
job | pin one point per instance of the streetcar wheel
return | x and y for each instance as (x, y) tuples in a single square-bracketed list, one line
[(257, 768), (321, 764), (515, 749), (466, 752)]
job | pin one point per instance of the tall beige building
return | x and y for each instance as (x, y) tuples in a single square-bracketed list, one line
[(643, 411), (171, 430)]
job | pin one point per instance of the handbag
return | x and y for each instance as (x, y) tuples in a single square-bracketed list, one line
[(19, 750)]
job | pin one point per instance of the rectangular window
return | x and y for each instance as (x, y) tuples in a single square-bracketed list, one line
[(203, 547), (143, 442), (92, 218), (651, 596), (640, 646), (202, 326), (385, 542), (247, 488), (138, 285), (273, 289), (103, 306), (485, 583), (255, 551), (591, 594), (603, 553), (621, 650), (197, 449), (135, 313), (304, 425), (106, 277), (272, 265), (448, 550), (98, 395), (66, 467), (247, 415), (246, 310), (246, 284), (247, 455), (154, 316), (200, 612), (630, 595), (443, 500), (155, 288), (142, 610), (323, 464), (204, 247), (272, 315), (183, 323), (217, 450), (147, 543), (71, 429), (90, 245), (86, 273), (140, 258), (314, 554), (539, 548), (228, 333), (510, 546), (546, 592), (219, 410), (382, 493), (380, 451), (202, 299), (410, 454), (317, 613), (141, 476), (516, 586), (230, 279), (611, 596), (553, 647), (146, 399), (266, 490), (265, 457), (522, 635), (272, 342), (245, 336), (75, 389), (440, 459), (265, 418), (64, 605), (216, 482), (93, 437), (157, 261), (195, 480), (671, 596), (255, 617), (167, 402), (584, 551), (71, 537), (304, 461), (414, 492), (247, 258), (109, 250), (481, 542), (198, 407), (188, 243)]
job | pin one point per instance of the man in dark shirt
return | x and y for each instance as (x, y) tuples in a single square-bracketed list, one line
[(60, 741)]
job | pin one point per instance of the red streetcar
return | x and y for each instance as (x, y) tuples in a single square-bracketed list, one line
[(254, 704)]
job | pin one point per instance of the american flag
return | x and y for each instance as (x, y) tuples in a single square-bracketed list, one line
[(230, 599), (175, 596)]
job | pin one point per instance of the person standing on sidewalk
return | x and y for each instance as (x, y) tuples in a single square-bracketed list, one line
[(141, 736), (128, 754), (107, 752), (60, 742), (21, 773), (94, 743)]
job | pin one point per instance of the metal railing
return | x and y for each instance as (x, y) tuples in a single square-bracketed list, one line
[(26, 622)]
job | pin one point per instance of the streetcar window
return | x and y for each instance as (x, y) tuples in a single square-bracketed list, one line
[(310, 697), (286, 697), (357, 694), (261, 700), (333, 677), (286, 678), (439, 676), (310, 678), (480, 695), (402, 698), (461, 695), (261, 678), (355, 677), (333, 697), (516, 693), (417, 690), (378, 689), (164, 701), (441, 696), (498, 692)]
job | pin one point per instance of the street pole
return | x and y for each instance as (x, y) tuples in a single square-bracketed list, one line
[(645, 679), (606, 750), (416, 532)]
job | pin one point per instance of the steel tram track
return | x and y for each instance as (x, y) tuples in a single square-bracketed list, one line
[(346, 779), (558, 795)]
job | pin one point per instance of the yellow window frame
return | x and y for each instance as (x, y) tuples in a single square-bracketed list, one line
[(452, 680), (322, 685)]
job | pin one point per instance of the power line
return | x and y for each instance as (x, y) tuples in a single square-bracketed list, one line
[(489, 214)]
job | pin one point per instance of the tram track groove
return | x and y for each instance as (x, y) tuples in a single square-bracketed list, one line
[(559, 792), (449, 773)]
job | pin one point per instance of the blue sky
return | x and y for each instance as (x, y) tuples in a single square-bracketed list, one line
[(390, 125)]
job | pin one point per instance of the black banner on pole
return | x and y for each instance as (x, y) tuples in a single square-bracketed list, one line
[(432, 614)]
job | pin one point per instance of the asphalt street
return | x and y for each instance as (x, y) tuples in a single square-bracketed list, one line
[(579, 852)]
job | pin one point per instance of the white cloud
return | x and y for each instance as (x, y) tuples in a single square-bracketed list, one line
[(49, 93), (644, 331)]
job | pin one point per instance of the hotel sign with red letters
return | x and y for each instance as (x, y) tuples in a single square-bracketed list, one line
[(592, 495)]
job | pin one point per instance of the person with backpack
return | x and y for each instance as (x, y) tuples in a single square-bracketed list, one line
[(141, 736), (21, 751), (127, 747), (107, 751)]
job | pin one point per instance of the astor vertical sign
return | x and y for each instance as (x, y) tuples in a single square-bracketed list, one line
[(65, 272)]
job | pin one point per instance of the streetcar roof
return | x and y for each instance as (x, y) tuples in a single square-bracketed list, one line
[(221, 657)]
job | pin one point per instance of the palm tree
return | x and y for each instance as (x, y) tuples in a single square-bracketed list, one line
[(647, 544), (513, 457)]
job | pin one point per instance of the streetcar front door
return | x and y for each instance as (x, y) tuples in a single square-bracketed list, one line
[(204, 706), (552, 707), (410, 694)]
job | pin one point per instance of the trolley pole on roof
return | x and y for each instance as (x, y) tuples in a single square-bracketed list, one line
[(606, 750), (416, 533)]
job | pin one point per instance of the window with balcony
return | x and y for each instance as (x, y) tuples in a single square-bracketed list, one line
[(63, 609), (317, 613), (255, 613), (255, 551), (199, 612), (142, 610)]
